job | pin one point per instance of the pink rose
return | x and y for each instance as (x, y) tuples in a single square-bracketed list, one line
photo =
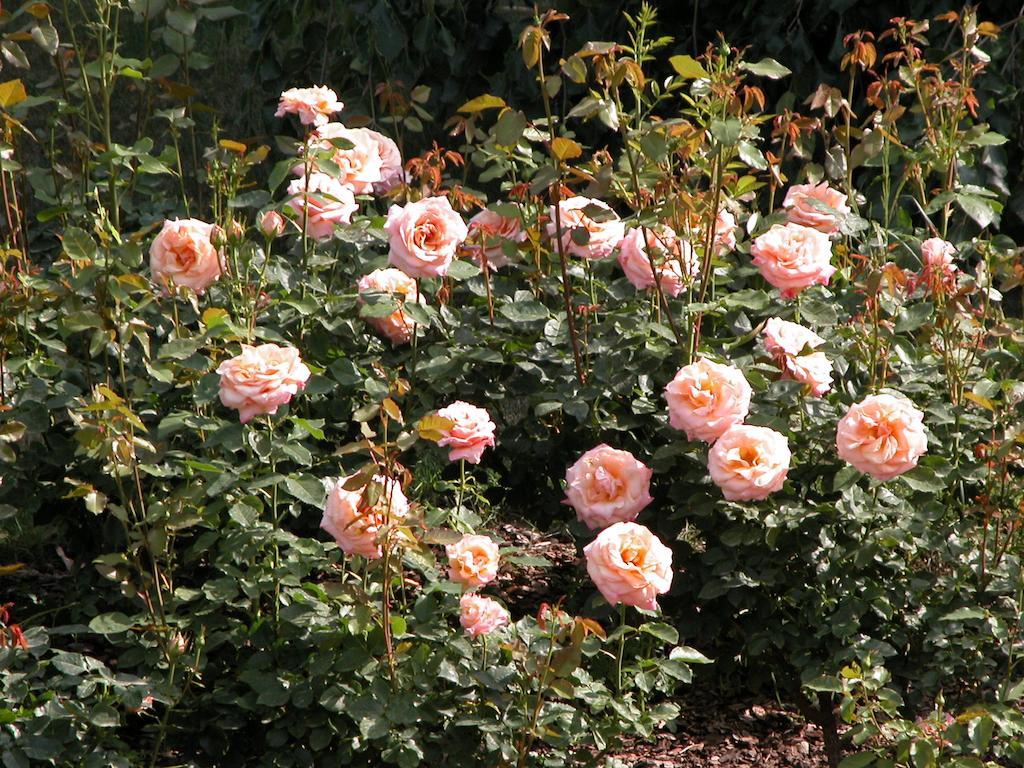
[(327, 201), (481, 615), (676, 263), (472, 560), (487, 232), (882, 436), (391, 171), (272, 224), (357, 525), (471, 433), (706, 398), (724, 239), (629, 565), (424, 236), (607, 486), (792, 257), (749, 463), (261, 379), (183, 255), (788, 343), (314, 106), (604, 235), (360, 166), (799, 209), (396, 327)]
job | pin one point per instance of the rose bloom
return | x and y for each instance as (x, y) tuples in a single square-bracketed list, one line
[(424, 236), (391, 171), (314, 106), (604, 235), (671, 256), (472, 560), (471, 433), (354, 524), (487, 231), (261, 379), (629, 565), (724, 239), (360, 166), (396, 327), (939, 272), (607, 486), (882, 436), (481, 615), (792, 257), (800, 211), (272, 224), (183, 255), (328, 202), (786, 343), (748, 463), (706, 398)]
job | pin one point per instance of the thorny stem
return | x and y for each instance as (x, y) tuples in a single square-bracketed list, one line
[(556, 197)]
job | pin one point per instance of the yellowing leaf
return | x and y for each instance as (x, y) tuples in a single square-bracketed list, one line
[(565, 149), (433, 427), (981, 400), (12, 92), (39, 10), (6, 570), (481, 103), (234, 146), (688, 67), (392, 410)]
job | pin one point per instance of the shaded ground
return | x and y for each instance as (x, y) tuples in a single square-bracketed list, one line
[(715, 733)]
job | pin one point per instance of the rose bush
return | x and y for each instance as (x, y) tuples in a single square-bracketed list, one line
[(816, 426)]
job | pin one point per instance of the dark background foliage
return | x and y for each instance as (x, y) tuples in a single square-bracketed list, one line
[(459, 49)]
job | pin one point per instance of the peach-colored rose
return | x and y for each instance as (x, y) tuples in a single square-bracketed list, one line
[(261, 379), (314, 106), (938, 254), (604, 235), (676, 263), (481, 615), (359, 166), (183, 255), (629, 565), (471, 433), (724, 239), (396, 327), (706, 398), (391, 171), (791, 257), (938, 274), (800, 209), (424, 236), (488, 230), (272, 224), (788, 343), (607, 486), (472, 560), (357, 525), (749, 463), (328, 201), (882, 435)]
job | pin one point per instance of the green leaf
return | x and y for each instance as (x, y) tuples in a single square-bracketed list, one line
[(509, 128), (860, 760), (824, 684), (769, 68), (111, 623), (525, 311), (688, 655), (922, 478), (962, 614), (688, 67), (663, 632), (306, 488), (481, 103)]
